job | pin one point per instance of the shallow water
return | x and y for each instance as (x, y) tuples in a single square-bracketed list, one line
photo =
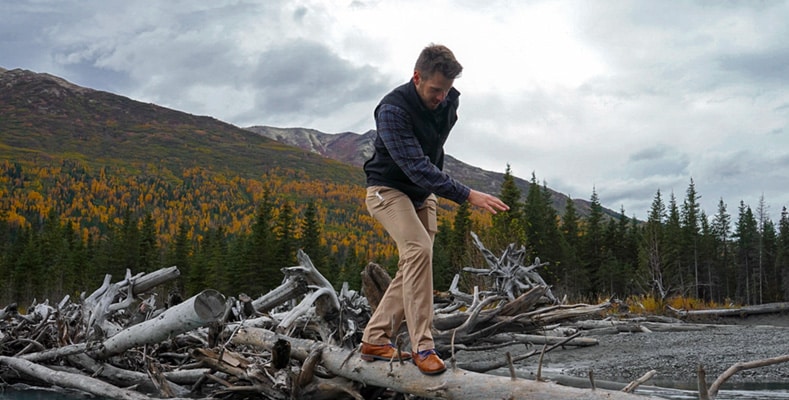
[(727, 394), (742, 392), (39, 394), (751, 391)]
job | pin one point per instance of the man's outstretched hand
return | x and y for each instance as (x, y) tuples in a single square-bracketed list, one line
[(486, 201)]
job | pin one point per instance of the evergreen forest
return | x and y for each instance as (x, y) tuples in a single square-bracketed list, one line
[(65, 224)]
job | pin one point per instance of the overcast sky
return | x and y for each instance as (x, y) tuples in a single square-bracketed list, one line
[(622, 97)]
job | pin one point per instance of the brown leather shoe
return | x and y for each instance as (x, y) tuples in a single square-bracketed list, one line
[(428, 362), (386, 352)]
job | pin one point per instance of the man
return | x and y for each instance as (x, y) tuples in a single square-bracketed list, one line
[(404, 176)]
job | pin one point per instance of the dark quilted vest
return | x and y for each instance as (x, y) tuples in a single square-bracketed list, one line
[(431, 129)]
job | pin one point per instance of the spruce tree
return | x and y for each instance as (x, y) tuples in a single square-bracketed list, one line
[(569, 271), (442, 268), (722, 287), (652, 265), (199, 274), (746, 232), (771, 276), (508, 226), (180, 255), (461, 251), (257, 266), (311, 244), (551, 250), (149, 248), (782, 254), (285, 237), (765, 271), (707, 258), (592, 248), (534, 219), (674, 273), (690, 238), (215, 258), (53, 276), (128, 245)]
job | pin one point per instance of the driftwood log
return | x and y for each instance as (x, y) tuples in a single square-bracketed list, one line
[(771, 308), (406, 378)]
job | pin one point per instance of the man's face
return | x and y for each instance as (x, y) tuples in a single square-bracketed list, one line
[(434, 90)]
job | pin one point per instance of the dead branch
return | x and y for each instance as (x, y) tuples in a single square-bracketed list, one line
[(713, 390)]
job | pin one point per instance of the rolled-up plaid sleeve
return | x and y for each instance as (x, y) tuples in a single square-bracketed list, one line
[(395, 129)]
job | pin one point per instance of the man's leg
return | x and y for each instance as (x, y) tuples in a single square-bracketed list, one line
[(413, 232)]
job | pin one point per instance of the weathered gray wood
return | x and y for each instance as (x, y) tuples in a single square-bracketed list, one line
[(200, 310), (713, 390), (236, 365), (120, 377), (540, 339), (770, 308), (326, 306), (510, 277), (547, 315), (69, 380), (96, 307), (55, 352), (290, 289), (153, 279), (406, 378)]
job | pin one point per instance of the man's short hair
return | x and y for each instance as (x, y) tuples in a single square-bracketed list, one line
[(438, 58)]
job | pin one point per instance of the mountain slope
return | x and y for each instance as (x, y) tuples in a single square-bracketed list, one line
[(45, 116), (355, 149)]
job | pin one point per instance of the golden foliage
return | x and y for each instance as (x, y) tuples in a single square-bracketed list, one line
[(199, 198)]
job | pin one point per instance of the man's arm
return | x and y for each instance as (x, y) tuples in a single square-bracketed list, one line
[(395, 129)]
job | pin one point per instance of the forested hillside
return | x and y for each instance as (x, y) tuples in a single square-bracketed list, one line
[(92, 183)]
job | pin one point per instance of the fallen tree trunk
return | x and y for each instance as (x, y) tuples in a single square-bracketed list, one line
[(617, 326), (205, 307), (69, 380), (406, 378), (542, 339), (290, 289), (770, 308)]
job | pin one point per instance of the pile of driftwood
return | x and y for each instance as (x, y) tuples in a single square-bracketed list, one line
[(299, 341)]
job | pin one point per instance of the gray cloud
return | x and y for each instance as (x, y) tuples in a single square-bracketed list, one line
[(768, 67), (658, 161), (306, 77)]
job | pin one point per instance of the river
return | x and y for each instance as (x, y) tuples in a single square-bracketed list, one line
[(739, 392)]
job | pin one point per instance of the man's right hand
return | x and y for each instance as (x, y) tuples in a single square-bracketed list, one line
[(487, 201)]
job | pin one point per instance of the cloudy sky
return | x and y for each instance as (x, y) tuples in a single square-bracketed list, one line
[(621, 97)]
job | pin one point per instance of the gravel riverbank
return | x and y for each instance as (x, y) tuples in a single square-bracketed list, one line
[(676, 356)]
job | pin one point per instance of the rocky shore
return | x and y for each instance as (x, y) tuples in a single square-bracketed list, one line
[(675, 355)]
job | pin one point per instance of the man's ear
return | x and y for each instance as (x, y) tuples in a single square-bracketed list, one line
[(416, 77)]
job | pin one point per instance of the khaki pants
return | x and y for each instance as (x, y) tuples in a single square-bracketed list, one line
[(410, 294)]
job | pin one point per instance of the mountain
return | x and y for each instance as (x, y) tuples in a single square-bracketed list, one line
[(44, 116), (355, 149)]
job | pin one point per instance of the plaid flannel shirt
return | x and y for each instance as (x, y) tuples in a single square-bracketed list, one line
[(395, 129)]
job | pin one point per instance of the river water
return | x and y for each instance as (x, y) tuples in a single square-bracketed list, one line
[(739, 392), (750, 391)]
